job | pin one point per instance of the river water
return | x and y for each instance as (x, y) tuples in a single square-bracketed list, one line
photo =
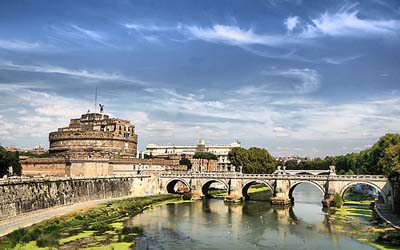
[(213, 224)]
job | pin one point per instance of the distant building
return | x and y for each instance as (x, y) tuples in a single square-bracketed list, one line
[(35, 150), (204, 165), (221, 151)]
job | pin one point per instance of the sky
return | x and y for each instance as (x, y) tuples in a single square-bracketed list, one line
[(298, 77)]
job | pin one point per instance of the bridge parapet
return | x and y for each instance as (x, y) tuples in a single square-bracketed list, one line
[(55, 179), (273, 176)]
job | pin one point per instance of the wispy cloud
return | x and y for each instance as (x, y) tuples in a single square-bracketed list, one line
[(235, 36), (340, 60), (306, 80), (51, 69), (146, 27), (80, 35), (347, 23), (18, 45)]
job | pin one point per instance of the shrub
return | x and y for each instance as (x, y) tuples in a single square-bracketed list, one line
[(337, 201), (48, 240), (101, 227)]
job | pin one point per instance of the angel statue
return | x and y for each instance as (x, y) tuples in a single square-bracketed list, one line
[(101, 108)]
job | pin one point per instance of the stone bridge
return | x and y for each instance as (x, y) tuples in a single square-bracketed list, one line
[(282, 185)]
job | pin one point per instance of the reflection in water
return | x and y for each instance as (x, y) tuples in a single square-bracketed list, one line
[(213, 224)]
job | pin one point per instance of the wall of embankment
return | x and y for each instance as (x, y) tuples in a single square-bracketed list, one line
[(25, 195)]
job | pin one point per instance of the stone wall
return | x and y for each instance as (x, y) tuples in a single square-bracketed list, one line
[(19, 196)]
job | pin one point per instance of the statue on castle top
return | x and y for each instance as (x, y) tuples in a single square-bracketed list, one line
[(101, 108)]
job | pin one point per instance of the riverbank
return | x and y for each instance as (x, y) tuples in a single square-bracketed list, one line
[(90, 229), (357, 219)]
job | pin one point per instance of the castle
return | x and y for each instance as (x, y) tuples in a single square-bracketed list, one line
[(95, 145)]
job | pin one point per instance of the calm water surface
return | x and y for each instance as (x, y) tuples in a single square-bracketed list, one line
[(213, 224)]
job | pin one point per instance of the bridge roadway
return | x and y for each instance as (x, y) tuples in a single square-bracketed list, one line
[(282, 185)]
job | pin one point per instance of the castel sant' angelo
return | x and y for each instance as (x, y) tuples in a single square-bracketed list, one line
[(93, 145)]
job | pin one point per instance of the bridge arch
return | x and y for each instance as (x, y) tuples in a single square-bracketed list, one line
[(205, 186), (371, 184), (172, 183), (247, 185), (295, 184)]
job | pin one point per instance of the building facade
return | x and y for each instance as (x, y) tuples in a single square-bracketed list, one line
[(221, 151)]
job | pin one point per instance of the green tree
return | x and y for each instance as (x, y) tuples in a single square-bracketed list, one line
[(253, 160), (205, 155), (349, 172), (7, 160), (337, 201), (186, 161)]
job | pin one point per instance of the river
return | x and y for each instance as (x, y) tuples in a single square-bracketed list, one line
[(213, 224)]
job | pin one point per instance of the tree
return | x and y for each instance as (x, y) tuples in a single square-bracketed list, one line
[(15, 164), (349, 172), (390, 160), (186, 161), (205, 155), (253, 160), (337, 201), (7, 160)]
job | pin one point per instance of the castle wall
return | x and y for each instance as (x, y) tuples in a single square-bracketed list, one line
[(44, 166)]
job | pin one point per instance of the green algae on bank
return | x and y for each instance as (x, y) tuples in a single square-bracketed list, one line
[(101, 227), (357, 219)]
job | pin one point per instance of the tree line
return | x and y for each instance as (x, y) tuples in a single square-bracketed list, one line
[(382, 158)]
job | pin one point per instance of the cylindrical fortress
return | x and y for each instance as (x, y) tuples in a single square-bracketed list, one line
[(94, 136)]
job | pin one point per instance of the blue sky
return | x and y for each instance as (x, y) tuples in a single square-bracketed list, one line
[(308, 78)]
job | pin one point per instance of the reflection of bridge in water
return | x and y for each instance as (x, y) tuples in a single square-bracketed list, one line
[(281, 184)]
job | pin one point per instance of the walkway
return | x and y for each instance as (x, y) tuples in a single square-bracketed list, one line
[(387, 215), (27, 219)]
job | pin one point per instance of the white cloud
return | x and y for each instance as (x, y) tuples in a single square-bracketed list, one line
[(279, 131), (347, 23), (235, 36), (291, 22), (256, 119), (47, 112)]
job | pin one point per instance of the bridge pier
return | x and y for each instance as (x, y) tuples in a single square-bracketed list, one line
[(281, 193)]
